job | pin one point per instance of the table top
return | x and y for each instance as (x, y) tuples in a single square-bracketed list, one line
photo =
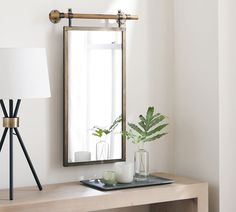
[(74, 195)]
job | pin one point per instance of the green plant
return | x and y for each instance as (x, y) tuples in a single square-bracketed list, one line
[(99, 131), (147, 129)]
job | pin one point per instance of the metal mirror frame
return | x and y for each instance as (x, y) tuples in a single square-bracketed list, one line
[(65, 94)]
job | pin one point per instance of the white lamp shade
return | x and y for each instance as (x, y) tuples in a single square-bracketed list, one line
[(23, 73)]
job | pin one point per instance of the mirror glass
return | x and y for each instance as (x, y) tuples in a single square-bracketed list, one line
[(94, 95)]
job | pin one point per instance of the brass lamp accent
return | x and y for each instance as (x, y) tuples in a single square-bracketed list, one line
[(11, 122)]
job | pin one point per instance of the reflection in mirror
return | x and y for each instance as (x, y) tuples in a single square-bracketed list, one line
[(94, 95)]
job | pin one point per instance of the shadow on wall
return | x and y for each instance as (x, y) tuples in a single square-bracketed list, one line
[(150, 78), (160, 76)]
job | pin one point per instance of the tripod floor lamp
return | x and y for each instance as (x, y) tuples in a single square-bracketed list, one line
[(23, 75)]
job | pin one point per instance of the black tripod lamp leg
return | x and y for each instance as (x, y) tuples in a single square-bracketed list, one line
[(11, 164), (3, 138), (3, 108), (11, 151), (6, 129), (28, 159)]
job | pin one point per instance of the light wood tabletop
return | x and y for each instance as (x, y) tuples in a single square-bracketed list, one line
[(73, 196)]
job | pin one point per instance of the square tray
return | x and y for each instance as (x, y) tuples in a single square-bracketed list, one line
[(150, 181)]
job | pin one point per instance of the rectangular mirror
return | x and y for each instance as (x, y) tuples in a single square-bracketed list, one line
[(94, 95)]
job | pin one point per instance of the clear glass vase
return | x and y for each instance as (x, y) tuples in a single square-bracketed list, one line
[(141, 164), (102, 150)]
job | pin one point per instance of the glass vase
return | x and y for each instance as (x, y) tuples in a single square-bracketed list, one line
[(141, 164), (102, 150)]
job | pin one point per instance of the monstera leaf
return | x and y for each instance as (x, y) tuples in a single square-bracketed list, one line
[(148, 128)]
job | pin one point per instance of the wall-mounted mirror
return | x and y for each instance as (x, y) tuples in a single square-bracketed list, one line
[(94, 95)]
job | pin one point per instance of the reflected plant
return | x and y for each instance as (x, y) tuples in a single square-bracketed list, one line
[(102, 147), (99, 131)]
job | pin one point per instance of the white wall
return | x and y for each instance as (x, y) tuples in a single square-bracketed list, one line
[(180, 58), (196, 93), (149, 81), (227, 76)]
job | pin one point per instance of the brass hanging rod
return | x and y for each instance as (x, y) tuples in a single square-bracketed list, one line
[(55, 16)]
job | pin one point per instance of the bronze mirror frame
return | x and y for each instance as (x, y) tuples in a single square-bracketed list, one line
[(65, 94)]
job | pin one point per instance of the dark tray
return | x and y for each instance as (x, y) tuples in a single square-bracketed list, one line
[(150, 181)]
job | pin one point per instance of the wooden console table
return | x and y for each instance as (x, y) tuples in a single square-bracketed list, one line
[(185, 195)]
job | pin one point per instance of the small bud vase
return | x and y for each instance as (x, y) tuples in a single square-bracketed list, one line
[(102, 150)]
